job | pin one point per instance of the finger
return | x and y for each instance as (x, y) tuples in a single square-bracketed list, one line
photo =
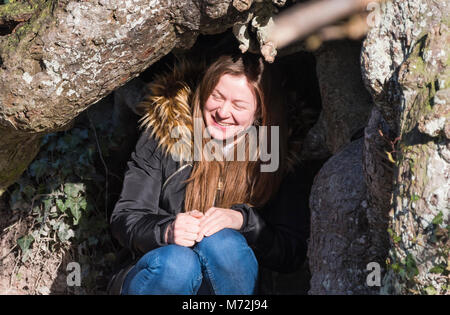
[(188, 219), (213, 212), (199, 238), (190, 236), (196, 214), (192, 228), (214, 221), (210, 211), (203, 219), (206, 223), (186, 236), (215, 228), (185, 243)]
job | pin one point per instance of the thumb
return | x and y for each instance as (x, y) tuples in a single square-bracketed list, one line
[(196, 214)]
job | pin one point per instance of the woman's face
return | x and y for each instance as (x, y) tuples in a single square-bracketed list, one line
[(230, 108)]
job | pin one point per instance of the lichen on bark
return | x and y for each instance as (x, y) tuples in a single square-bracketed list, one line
[(406, 68), (423, 176)]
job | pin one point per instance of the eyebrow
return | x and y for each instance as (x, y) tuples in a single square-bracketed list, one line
[(235, 101)]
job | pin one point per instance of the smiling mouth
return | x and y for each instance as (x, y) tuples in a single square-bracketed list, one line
[(222, 125)]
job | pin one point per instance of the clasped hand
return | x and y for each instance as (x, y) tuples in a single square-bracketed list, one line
[(190, 227)]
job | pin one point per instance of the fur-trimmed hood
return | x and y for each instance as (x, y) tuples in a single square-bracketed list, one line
[(167, 105)]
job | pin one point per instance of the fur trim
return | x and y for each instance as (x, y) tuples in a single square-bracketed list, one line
[(167, 107)]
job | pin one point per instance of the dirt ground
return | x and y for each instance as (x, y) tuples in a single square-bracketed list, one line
[(41, 273)]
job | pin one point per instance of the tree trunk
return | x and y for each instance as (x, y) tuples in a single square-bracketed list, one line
[(405, 63), (386, 200)]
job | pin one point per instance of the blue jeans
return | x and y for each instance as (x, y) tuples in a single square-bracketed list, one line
[(222, 263)]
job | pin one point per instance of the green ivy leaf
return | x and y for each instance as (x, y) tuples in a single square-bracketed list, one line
[(25, 242), (65, 162), (64, 232), (69, 190), (73, 189), (47, 203), (75, 209), (61, 205), (83, 204)]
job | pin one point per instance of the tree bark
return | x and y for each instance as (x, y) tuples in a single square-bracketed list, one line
[(340, 238), (346, 103), (406, 67), (392, 191)]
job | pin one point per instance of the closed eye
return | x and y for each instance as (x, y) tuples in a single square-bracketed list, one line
[(217, 96), (240, 106)]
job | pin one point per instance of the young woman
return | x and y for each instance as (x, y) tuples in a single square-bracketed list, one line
[(194, 223)]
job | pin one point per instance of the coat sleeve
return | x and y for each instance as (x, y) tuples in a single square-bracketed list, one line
[(137, 221), (278, 232)]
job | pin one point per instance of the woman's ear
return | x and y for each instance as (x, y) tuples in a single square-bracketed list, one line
[(258, 117), (257, 121)]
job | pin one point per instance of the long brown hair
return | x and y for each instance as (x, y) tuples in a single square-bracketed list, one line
[(224, 183)]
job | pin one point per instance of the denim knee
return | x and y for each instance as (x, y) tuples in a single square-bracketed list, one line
[(180, 263), (225, 245), (171, 268)]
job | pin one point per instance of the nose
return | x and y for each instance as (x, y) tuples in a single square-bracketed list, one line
[(223, 112)]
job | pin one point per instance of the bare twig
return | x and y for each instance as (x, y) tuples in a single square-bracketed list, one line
[(5, 230), (7, 254), (13, 272), (306, 18)]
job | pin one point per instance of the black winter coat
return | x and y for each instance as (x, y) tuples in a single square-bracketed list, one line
[(153, 194)]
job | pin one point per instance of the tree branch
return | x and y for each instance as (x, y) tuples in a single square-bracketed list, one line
[(306, 18)]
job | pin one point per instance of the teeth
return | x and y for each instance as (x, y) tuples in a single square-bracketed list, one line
[(222, 124)]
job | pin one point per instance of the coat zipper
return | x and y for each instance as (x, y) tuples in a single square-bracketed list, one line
[(174, 173), (220, 188), (219, 192)]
